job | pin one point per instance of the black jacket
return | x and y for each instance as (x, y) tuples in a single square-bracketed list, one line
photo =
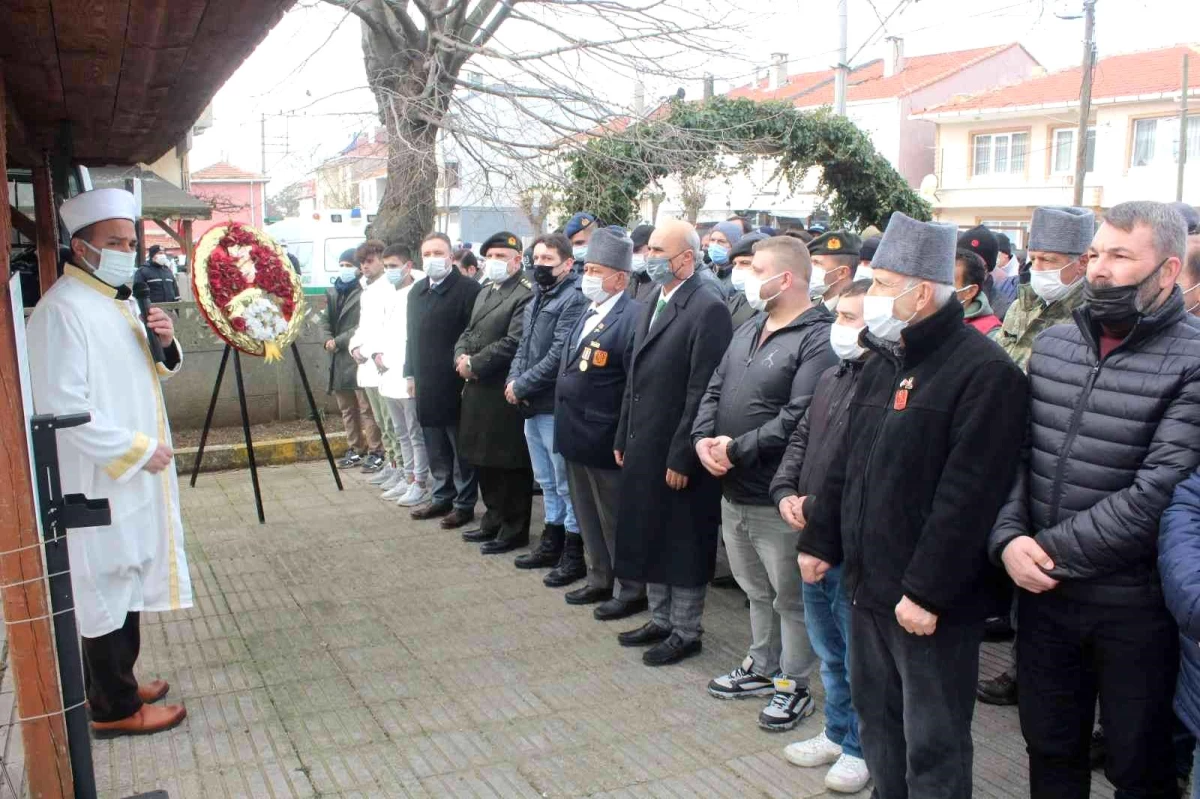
[(812, 446), (933, 442), (587, 402), (160, 280), (1109, 441), (641, 288), (341, 320), (757, 396), (549, 318), (667, 536), (436, 318), (739, 308)]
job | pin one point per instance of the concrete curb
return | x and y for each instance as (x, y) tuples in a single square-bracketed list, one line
[(222, 457)]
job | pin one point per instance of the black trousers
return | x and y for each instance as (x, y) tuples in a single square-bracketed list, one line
[(108, 671), (508, 497), (1071, 652), (915, 695)]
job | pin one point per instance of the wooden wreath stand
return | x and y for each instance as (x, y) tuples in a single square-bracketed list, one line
[(241, 392)]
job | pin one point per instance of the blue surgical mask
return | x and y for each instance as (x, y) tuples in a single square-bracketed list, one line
[(659, 270), (395, 276), (718, 255), (348, 274), (116, 268), (579, 253)]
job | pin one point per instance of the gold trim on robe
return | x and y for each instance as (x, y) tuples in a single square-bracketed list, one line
[(117, 468)]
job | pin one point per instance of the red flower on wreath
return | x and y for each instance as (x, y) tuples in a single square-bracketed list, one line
[(227, 281)]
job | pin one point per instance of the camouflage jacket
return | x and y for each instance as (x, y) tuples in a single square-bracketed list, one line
[(1028, 316)]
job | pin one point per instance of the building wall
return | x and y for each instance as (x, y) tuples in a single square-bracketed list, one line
[(237, 202)]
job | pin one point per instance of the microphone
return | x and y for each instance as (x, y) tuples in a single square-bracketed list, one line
[(141, 293)]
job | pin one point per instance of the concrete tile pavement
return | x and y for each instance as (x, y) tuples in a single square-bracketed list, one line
[(345, 650)]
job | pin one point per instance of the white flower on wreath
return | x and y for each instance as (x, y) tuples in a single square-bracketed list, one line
[(263, 320)]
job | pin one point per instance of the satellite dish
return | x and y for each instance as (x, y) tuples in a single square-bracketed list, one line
[(929, 186)]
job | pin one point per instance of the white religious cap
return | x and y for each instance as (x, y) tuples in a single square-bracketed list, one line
[(97, 205)]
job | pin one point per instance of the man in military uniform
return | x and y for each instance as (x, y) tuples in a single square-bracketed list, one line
[(834, 259), (491, 431), (579, 229)]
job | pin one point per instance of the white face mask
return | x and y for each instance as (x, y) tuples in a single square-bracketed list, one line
[(116, 268), (436, 268), (639, 263), (160, 259), (738, 277), (395, 275), (495, 270), (592, 287), (753, 289), (348, 274), (864, 272), (816, 283), (878, 313), (1048, 284), (844, 340)]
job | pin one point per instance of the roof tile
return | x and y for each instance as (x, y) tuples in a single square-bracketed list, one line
[(226, 171)]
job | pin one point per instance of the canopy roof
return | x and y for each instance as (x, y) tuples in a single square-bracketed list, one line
[(160, 198)]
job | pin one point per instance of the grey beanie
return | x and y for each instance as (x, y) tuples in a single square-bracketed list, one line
[(1062, 229), (609, 248), (924, 250), (732, 230)]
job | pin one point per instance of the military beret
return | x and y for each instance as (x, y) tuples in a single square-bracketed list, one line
[(503, 239), (1191, 217), (581, 221), (641, 235), (982, 242), (746, 245), (866, 251), (835, 242)]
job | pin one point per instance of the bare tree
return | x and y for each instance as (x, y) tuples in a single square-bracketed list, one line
[(524, 95), (536, 203), (693, 191)]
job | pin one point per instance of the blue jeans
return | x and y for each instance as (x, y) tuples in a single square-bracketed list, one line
[(827, 614), (550, 471)]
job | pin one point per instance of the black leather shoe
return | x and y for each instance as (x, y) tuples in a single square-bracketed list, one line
[(499, 546), (479, 536), (548, 552), (648, 633), (432, 511), (1000, 691), (457, 518), (571, 566), (615, 609), (672, 650), (588, 595)]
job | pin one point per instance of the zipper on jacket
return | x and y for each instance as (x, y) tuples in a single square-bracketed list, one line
[(1072, 431)]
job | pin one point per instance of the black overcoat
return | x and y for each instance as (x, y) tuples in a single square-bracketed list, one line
[(436, 318)]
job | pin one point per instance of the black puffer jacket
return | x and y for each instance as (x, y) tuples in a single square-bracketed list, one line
[(549, 318), (758, 394), (1109, 440)]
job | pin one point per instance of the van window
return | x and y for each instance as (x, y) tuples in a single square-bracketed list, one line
[(335, 247), (303, 251)]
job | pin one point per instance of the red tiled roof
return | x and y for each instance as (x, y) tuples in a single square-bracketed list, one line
[(1126, 75), (226, 172)]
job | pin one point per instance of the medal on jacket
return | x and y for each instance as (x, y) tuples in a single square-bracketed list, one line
[(600, 358), (901, 401)]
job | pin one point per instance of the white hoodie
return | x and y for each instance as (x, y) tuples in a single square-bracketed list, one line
[(372, 304), (394, 338)]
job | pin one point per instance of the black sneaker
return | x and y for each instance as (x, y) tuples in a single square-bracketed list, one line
[(350, 460), (741, 682), (1000, 690), (787, 707), (373, 463)]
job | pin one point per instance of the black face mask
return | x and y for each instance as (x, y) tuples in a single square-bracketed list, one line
[(544, 276), (1116, 306)]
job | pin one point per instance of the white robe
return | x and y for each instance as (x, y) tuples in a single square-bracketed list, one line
[(88, 352), (371, 305), (394, 331)]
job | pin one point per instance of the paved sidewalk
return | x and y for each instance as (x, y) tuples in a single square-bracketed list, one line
[(344, 650)]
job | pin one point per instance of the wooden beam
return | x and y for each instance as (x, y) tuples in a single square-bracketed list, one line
[(23, 224), (45, 216), (26, 609), (189, 244), (167, 229), (140, 229)]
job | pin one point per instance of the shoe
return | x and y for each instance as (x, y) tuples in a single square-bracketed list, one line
[(350, 460), (724, 581), (548, 552), (787, 707), (615, 609), (152, 691), (372, 464), (1001, 690), (417, 495), (479, 535), (499, 547), (848, 775), (813, 752), (398, 490), (397, 479), (1098, 750), (741, 682), (671, 651), (571, 566), (648, 633), (383, 475), (588, 595), (148, 720), (457, 518), (432, 511)]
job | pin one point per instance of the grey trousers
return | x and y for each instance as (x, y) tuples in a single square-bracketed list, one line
[(762, 555), (678, 609), (594, 497), (454, 480)]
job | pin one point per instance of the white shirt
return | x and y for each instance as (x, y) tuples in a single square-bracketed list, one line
[(595, 315), (371, 303), (88, 353), (392, 383)]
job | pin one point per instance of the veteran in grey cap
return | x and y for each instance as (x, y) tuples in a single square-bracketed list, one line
[(906, 509)]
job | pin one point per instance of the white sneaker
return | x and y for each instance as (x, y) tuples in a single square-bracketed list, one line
[(417, 495), (848, 775), (383, 475), (396, 479), (818, 751), (395, 492)]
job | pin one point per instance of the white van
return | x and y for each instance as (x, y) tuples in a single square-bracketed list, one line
[(318, 241)]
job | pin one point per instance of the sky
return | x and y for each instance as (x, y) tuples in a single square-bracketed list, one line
[(307, 80)]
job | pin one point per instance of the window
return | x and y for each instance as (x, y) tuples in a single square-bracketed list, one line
[(1063, 153), (448, 176), (334, 248), (366, 194), (303, 251), (1156, 141), (1000, 153)]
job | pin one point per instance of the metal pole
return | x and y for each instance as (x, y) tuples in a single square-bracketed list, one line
[(262, 138), (241, 389), (1085, 98), (839, 84), (1183, 131)]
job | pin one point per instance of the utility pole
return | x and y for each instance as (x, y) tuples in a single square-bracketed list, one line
[(1085, 97), (1183, 131), (839, 81)]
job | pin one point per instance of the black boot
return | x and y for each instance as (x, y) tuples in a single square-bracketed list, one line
[(571, 567), (548, 552)]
